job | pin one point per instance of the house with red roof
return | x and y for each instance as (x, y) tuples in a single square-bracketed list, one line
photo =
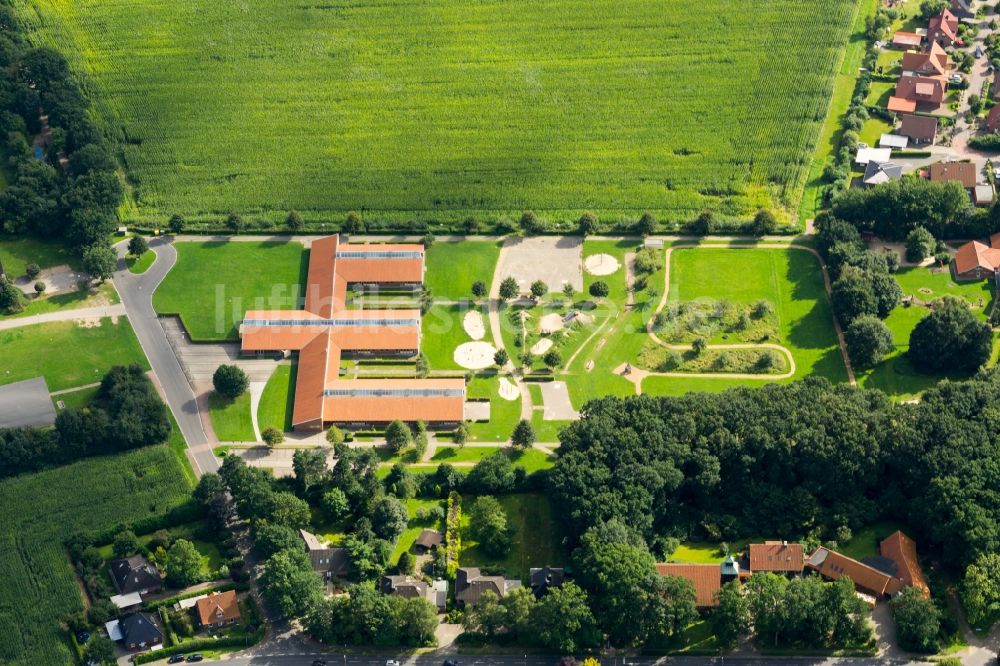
[(706, 579), (977, 260), (943, 29)]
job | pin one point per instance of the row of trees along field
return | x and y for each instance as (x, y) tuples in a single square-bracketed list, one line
[(73, 191), (126, 413)]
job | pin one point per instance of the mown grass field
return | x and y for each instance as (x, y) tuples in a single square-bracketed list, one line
[(231, 419), (66, 354), (452, 268), (442, 109), (41, 511), (278, 400), (536, 543), (213, 284)]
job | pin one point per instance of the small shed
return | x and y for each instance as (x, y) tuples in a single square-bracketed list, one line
[(893, 141)]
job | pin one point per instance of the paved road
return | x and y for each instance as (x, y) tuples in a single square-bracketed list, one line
[(64, 315), (305, 659), (136, 292)]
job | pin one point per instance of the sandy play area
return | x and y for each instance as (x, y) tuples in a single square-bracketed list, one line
[(508, 389), (601, 264), (475, 355), (473, 324), (541, 346), (551, 323)]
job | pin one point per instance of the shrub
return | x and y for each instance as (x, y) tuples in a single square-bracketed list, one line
[(31, 271), (599, 289)]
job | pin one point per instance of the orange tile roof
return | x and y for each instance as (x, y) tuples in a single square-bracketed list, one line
[(325, 328), (974, 255), (899, 104), (776, 556), (706, 578), (920, 88), (833, 565), (962, 172), (218, 607), (907, 39), (902, 550)]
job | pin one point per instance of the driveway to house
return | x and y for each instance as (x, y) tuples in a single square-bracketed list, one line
[(136, 292)]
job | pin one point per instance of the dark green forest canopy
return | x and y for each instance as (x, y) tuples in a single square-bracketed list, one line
[(789, 461)]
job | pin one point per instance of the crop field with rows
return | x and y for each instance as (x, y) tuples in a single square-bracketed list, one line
[(441, 109), (41, 511)]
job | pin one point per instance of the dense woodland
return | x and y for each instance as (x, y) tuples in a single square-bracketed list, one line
[(799, 461)]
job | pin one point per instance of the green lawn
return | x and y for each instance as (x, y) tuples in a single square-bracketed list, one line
[(895, 375), (211, 558), (77, 399), (454, 454), (278, 399), (889, 62), (536, 543), (214, 283), (66, 354), (707, 552), (880, 93), (873, 130), (97, 295), (864, 543), (453, 267), (504, 414), (142, 263), (546, 431), (231, 419), (41, 511), (446, 109), (414, 527), (16, 253), (443, 331)]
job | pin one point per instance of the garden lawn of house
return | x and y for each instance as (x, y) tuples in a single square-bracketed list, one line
[(213, 284), (452, 268), (895, 375), (536, 541), (44, 509), (278, 400), (880, 93), (864, 543), (16, 253), (498, 100), (231, 419), (211, 558), (873, 130), (66, 354), (414, 526)]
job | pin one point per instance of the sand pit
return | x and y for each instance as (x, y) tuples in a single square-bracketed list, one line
[(473, 324), (475, 355), (601, 264), (551, 323), (508, 389), (541, 346)]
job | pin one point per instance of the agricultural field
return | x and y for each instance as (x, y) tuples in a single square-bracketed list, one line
[(214, 283), (44, 509), (68, 354), (441, 110)]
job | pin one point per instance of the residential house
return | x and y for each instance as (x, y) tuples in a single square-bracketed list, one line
[(943, 29), (546, 578), (868, 580), (328, 561), (427, 541), (778, 557), (976, 260), (907, 40), (926, 92), (217, 610), (877, 173), (134, 574), (919, 129), (960, 172), (470, 584), (139, 631), (932, 62), (411, 588), (706, 579), (901, 550), (993, 119)]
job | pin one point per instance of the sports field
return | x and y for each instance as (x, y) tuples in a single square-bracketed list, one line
[(441, 109)]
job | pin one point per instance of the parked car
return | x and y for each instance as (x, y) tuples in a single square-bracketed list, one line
[(955, 78), (176, 659), (197, 656), (392, 662)]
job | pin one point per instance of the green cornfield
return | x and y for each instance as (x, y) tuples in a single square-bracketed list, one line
[(39, 590), (437, 110)]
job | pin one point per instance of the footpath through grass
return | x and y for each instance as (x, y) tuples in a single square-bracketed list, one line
[(42, 510), (67, 354), (213, 284)]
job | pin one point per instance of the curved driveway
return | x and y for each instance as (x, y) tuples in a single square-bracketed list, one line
[(136, 292)]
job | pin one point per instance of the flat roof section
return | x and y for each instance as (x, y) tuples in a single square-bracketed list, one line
[(26, 404)]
